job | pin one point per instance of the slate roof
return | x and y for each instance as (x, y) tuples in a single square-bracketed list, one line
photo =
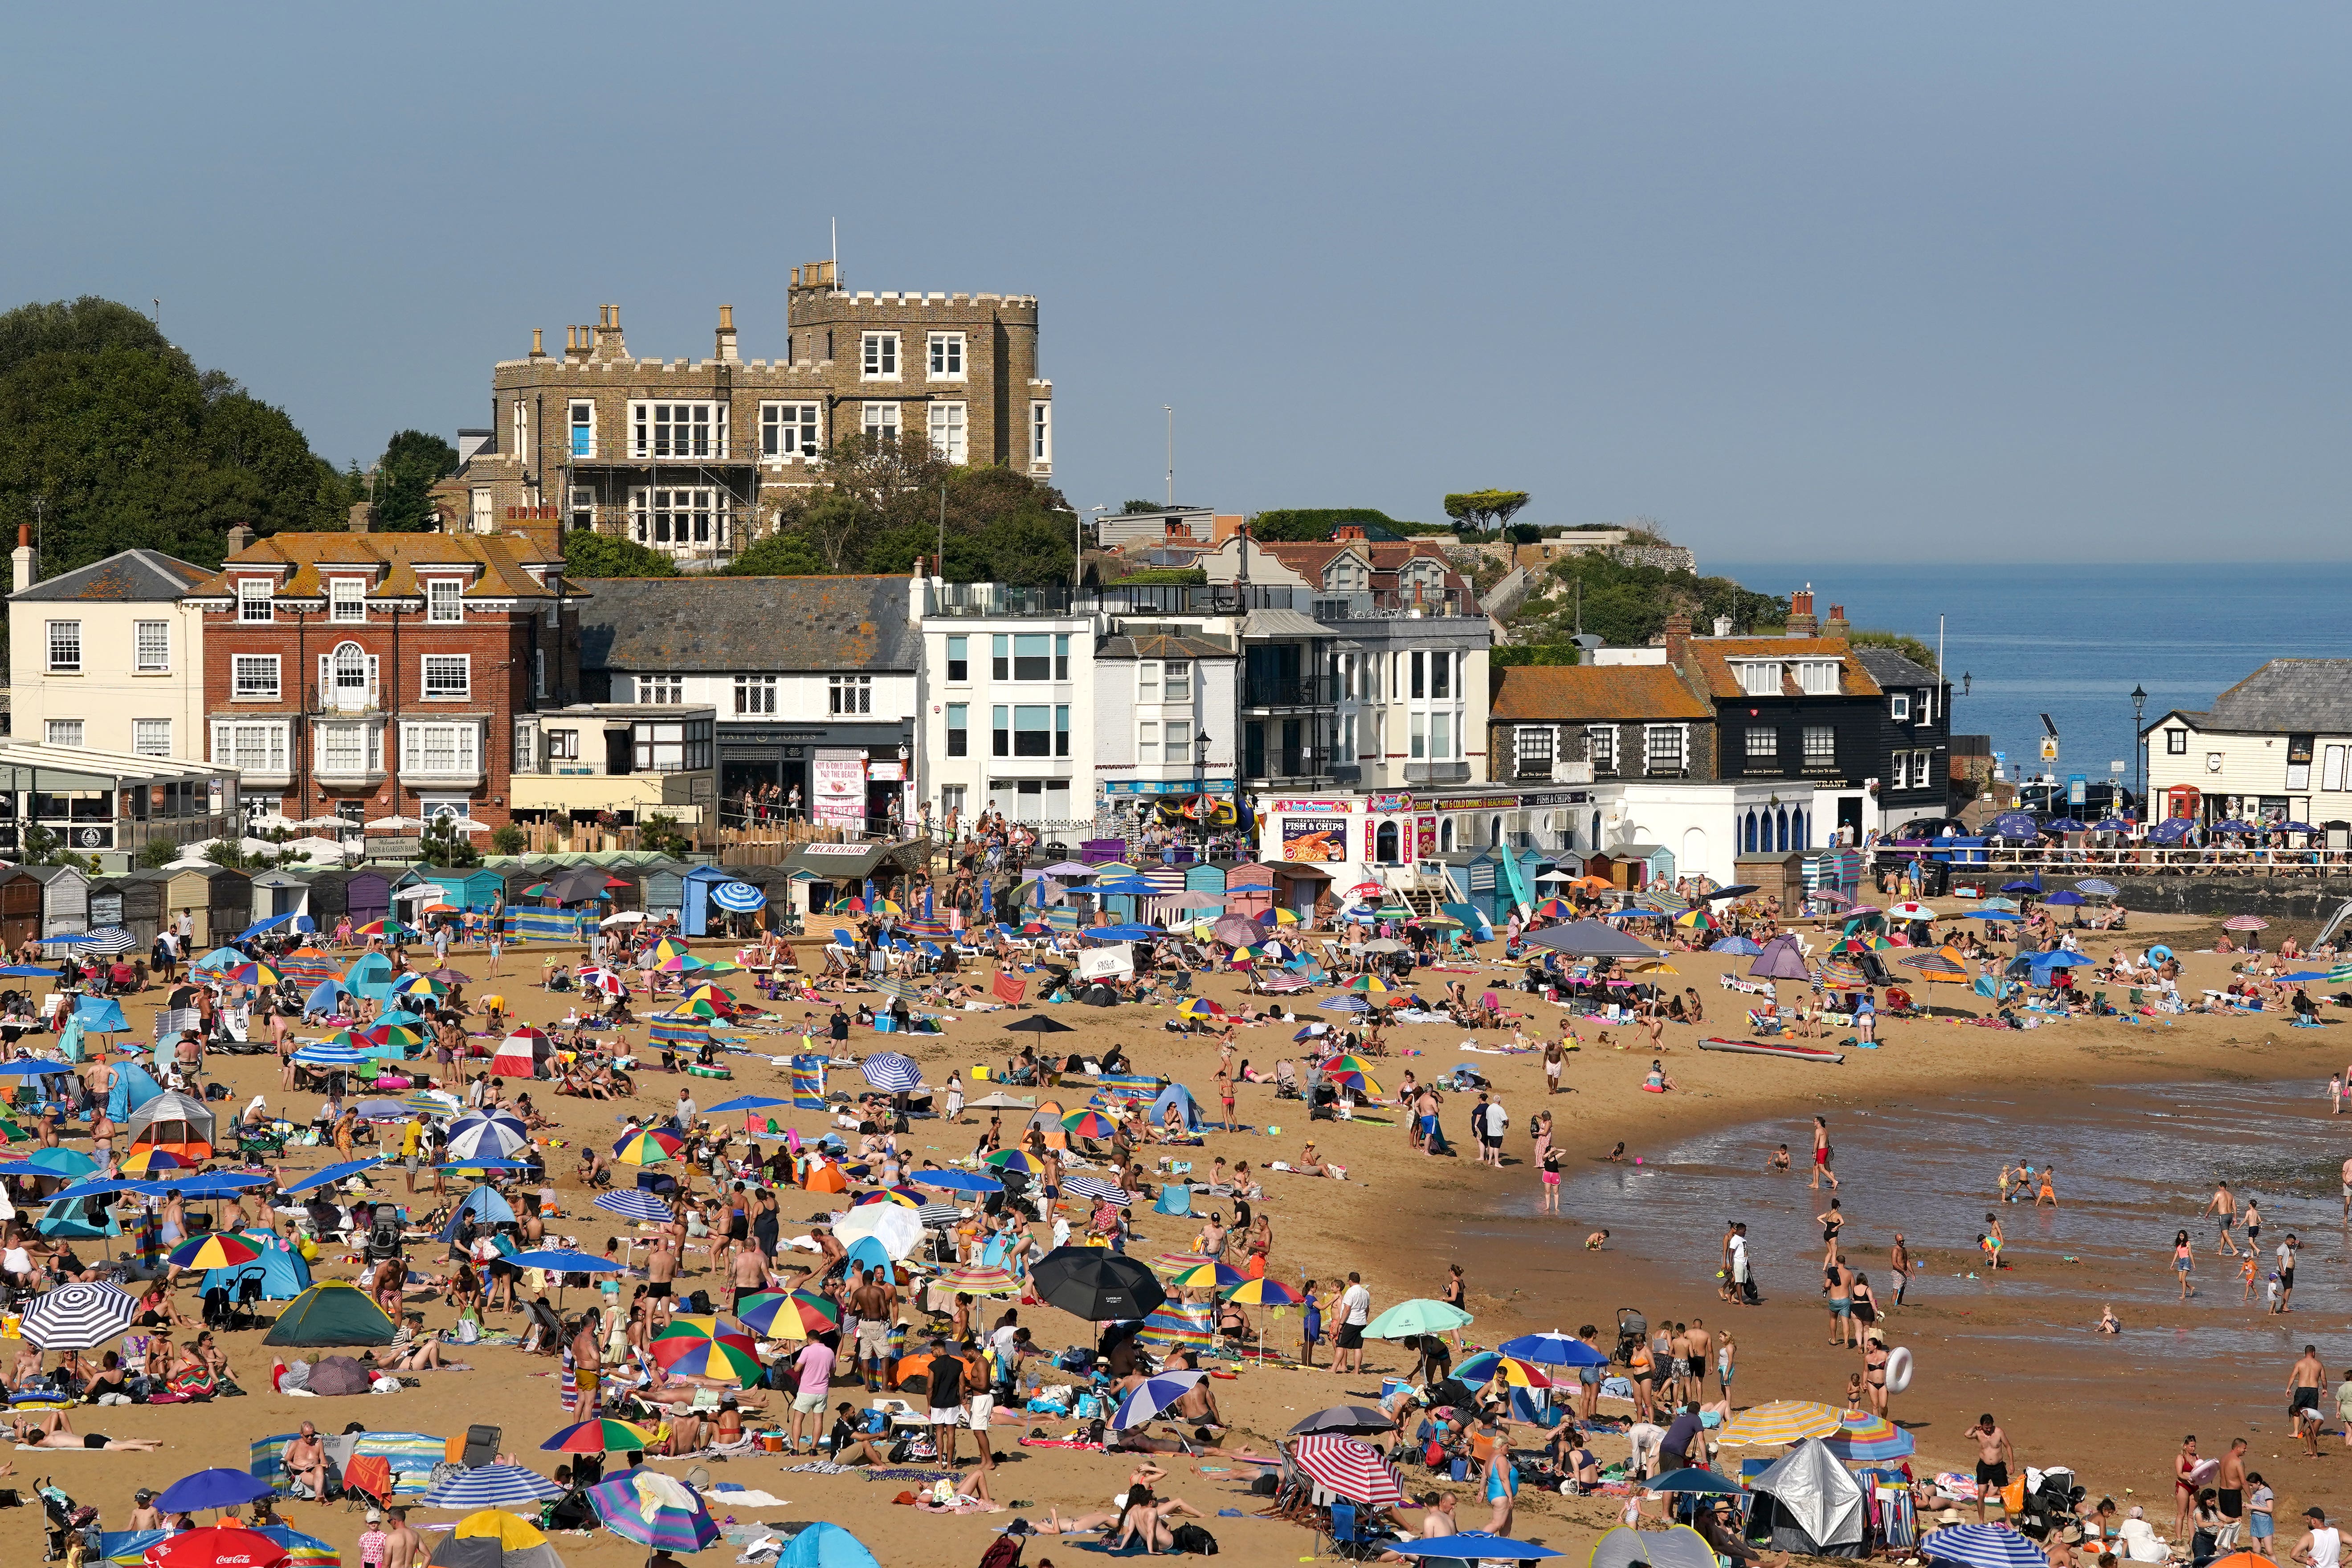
[(1596, 693), (1710, 657), (1161, 647), (1891, 669), (2284, 695), (130, 575), (717, 624)]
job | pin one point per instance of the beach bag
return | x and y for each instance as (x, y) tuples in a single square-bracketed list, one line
[(1004, 1551), (1193, 1538), (469, 1331), (2012, 1496)]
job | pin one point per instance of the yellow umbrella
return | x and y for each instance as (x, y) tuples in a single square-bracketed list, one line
[(1285, 916), (512, 1532), (1782, 1421), (1651, 966)]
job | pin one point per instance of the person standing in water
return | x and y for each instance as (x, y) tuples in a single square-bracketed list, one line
[(1822, 1156), (1898, 1263), (2223, 1207), (2184, 1260)]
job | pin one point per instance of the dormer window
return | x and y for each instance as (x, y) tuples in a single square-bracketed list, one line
[(1759, 678), (442, 601), (1817, 677), (253, 598), (346, 599)]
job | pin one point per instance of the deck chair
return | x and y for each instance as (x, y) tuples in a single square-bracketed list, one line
[(481, 1446), (1346, 1528), (1175, 1198)]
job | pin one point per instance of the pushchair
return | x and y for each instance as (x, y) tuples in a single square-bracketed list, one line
[(1633, 1332), (62, 1519)]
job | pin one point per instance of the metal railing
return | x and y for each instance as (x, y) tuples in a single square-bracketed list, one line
[(1317, 690), (2125, 860)]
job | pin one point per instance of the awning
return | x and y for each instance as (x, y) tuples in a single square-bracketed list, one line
[(1283, 624)]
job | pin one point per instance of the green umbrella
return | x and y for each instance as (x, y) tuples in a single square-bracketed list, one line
[(1419, 1316)]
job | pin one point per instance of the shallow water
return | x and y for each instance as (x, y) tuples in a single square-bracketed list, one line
[(2133, 1165)]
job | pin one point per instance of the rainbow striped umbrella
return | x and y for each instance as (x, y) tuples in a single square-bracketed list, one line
[(255, 975), (1351, 1078), (1477, 1369), (772, 1315), (1088, 1124), (978, 1281), (1264, 1292), (646, 1148), (1207, 1275), (1200, 1008), (1015, 1160), (215, 1249), (383, 928), (889, 1196), (697, 1346), (1555, 910), (420, 985), (604, 1435), (1347, 1061), (818, 1314), (1867, 1438), (150, 1159), (1368, 985)]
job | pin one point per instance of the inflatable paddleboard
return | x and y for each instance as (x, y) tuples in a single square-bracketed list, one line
[(1774, 1049)]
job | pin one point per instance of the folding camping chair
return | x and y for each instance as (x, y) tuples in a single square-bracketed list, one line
[(1345, 1528)]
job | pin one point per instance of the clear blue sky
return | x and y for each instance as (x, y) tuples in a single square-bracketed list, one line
[(1885, 282)]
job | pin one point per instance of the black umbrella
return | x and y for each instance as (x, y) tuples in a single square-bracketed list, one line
[(1357, 1419), (1038, 1024), (576, 884), (1736, 890), (1589, 939), (1098, 1286)]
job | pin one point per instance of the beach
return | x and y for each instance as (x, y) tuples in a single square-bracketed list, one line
[(2019, 1345)]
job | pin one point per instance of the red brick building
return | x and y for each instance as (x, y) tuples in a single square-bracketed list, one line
[(367, 675)]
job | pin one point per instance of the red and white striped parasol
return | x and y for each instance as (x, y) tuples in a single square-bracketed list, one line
[(1352, 1469)]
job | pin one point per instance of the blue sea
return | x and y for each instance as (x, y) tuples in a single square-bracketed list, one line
[(2072, 640)]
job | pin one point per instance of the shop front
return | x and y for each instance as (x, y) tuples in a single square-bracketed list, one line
[(852, 776)]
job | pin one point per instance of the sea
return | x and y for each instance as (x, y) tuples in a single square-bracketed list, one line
[(2072, 639)]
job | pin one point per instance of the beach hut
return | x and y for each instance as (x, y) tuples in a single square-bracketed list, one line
[(695, 912), (1780, 876), (65, 898), (1484, 886), (328, 903), (1300, 886), (281, 892), (665, 889), (1249, 890), (134, 902), (367, 895), (1205, 877), (20, 906), (217, 901)]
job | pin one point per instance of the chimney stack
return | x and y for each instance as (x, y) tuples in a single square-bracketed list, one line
[(607, 341), (1722, 625), (1837, 625), (537, 348), (364, 516), (726, 354), (240, 539), (1678, 635), (1801, 623), (27, 567)]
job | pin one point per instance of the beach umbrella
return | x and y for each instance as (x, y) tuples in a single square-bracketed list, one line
[(2109, 825), (1096, 1284), (1263, 1291), (67, 1163), (2097, 886), (644, 1147), (1981, 1546), (1866, 1437), (653, 1510), (1348, 1467), (977, 1281), (490, 1486), (1368, 985), (212, 1488), (1553, 1349), (1693, 1481), (1098, 1189), (738, 898), (1990, 917), (2065, 825), (1517, 1374), (1418, 1316), (255, 975), (1555, 910), (77, 1316), (1349, 1419), (1088, 1124), (215, 1250), (1015, 1160), (1782, 1421), (956, 1181), (630, 1204), (1152, 1395), (105, 941), (602, 1435), (772, 1315), (1996, 905), (2245, 923), (1475, 1546), (890, 1071), (1206, 1275), (1344, 1005), (2028, 885), (420, 985), (702, 1347), (1038, 1024), (151, 1159), (332, 1054), (1939, 965), (2019, 825), (1200, 1008), (217, 1545), (2067, 896), (487, 1134)]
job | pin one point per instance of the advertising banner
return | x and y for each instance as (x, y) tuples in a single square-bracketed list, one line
[(837, 781), (1308, 840)]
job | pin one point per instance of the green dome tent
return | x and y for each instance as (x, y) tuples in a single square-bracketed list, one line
[(331, 1312)]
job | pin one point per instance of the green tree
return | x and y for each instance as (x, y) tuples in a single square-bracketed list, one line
[(110, 438), (1909, 647), (888, 503), (1627, 604), (412, 462), (1312, 525), (443, 845), (1478, 510), (508, 840), (791, 554), (659, 833), (156, 853), (1137, 508), (587, 553)]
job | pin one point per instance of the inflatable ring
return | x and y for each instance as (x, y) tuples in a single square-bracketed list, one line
[(1653, 1089), (711, 1072), (1899, 1368), (2158, 954)]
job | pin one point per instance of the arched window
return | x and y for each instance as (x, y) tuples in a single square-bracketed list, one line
[(1445, 834), (349, 666), (1495, 830), (1384, 844), (1781, 820), (1748, 833), (1797, 839), (1596, 831)]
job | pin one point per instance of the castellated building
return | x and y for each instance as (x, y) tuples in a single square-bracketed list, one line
[(693, 456)]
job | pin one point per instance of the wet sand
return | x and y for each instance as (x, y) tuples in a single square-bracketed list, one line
[(2019, 1346)]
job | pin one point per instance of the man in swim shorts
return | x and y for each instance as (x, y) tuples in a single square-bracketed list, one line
[(1994, 1455)]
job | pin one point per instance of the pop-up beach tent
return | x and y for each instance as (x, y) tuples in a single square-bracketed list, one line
[(331, 1312)]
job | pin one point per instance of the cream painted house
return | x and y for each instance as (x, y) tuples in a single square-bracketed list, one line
[(2277, 746), (106, 656)]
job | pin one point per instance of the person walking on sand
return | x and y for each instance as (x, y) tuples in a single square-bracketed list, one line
[(1821, 1155), (1898, 1264), (2302, 1380), (1994, 1455), (2184, 1260), (2230, 1489), (2223, 1207), (1355, 1310), (1555, 1057), (2185, 1465), (2287, 1248)]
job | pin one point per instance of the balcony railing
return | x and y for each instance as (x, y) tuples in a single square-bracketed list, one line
[(1290, 692), (1437, 772)]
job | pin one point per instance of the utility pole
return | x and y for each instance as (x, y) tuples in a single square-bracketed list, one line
[(1169, 411)]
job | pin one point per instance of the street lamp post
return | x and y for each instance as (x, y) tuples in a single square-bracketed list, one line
[(2139, 757)]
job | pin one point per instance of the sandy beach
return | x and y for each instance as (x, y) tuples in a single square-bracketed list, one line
[(2019, 1345)]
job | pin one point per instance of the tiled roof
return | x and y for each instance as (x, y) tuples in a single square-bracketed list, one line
[(1590, 693), (2286, 695), (718, 623), (501, 560), (1710, 658), (130, 575), (1161, 647)]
